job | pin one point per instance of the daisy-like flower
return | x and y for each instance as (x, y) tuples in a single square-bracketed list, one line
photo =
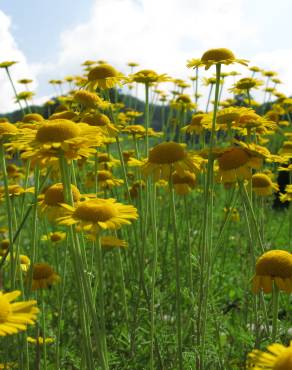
[(101, 121), (87, 98), (235, 163), (196, 126), (277, 357), (55, 237), (104, 76), (245, 84), (287, 196), (14, 317), (24, 95), (262, 184), (95, 215), (7, 64), (273, 266), (56, 136), (7, 130), (32, 117), (184, 184), (286, 150), (106, 180), (216, 56), (165, 158), (147, 76), (53, 197), (15, 191), (43, 276), (23, 261), (111, 242), (183, 102)]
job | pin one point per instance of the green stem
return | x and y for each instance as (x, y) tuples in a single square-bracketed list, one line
[(275, 304)]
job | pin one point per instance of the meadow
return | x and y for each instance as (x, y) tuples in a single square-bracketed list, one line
[(153, 238)]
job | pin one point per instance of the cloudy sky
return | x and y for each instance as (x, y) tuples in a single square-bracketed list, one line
[(50, 39)]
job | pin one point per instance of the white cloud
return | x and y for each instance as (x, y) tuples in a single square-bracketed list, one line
[(157, 34), (9, 50)]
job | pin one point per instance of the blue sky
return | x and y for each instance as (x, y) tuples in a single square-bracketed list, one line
[(50, 39)]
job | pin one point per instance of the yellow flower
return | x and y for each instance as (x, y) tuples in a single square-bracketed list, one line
[(287, 196), (286, 150), (23, 261), (7, 130), (278, 357), (216, 56), (43, 276), (14, 317), (105, 178), (87, 98), (32, 117), (53, 197), (98, 214), (184, 184), (262, 185), (74, 140), (274, 265), (183, 102), (110, 242), (147, 76), (104, 76), (165, 158), (246, 83), (236, 163), (196, 126), (40, 340), (7, 64), (101, 121), (54, 237)]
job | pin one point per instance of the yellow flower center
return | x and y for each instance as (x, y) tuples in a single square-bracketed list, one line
[(104, 175), (57, 130), (95, 211), (102, 72), (217, 55), (184, 99), (55, 194), (7, 129), (261, 180), (103, 157), (42, 271), (275, 263), (86, 98), (167, 153), (32, 117), (284, 362), (55, 237), (5, 309), (4, 244), (246, 83), (288, 146), (226, 118), (97, 119), (232, 159)]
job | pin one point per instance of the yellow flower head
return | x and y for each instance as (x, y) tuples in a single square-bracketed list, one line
[(246, 83), (14, 317), (101, 121), (184, 184), (262, 185), (43, 276), (216, 56), (278, 357), (165, 158), (147, 76), (40, 340), (104, 76), (87, 98), (274, 265), (32, 117), (95, 215), (7, 64), (7, 130)]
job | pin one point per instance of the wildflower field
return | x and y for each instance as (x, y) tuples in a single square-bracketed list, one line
[(150, 234)]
